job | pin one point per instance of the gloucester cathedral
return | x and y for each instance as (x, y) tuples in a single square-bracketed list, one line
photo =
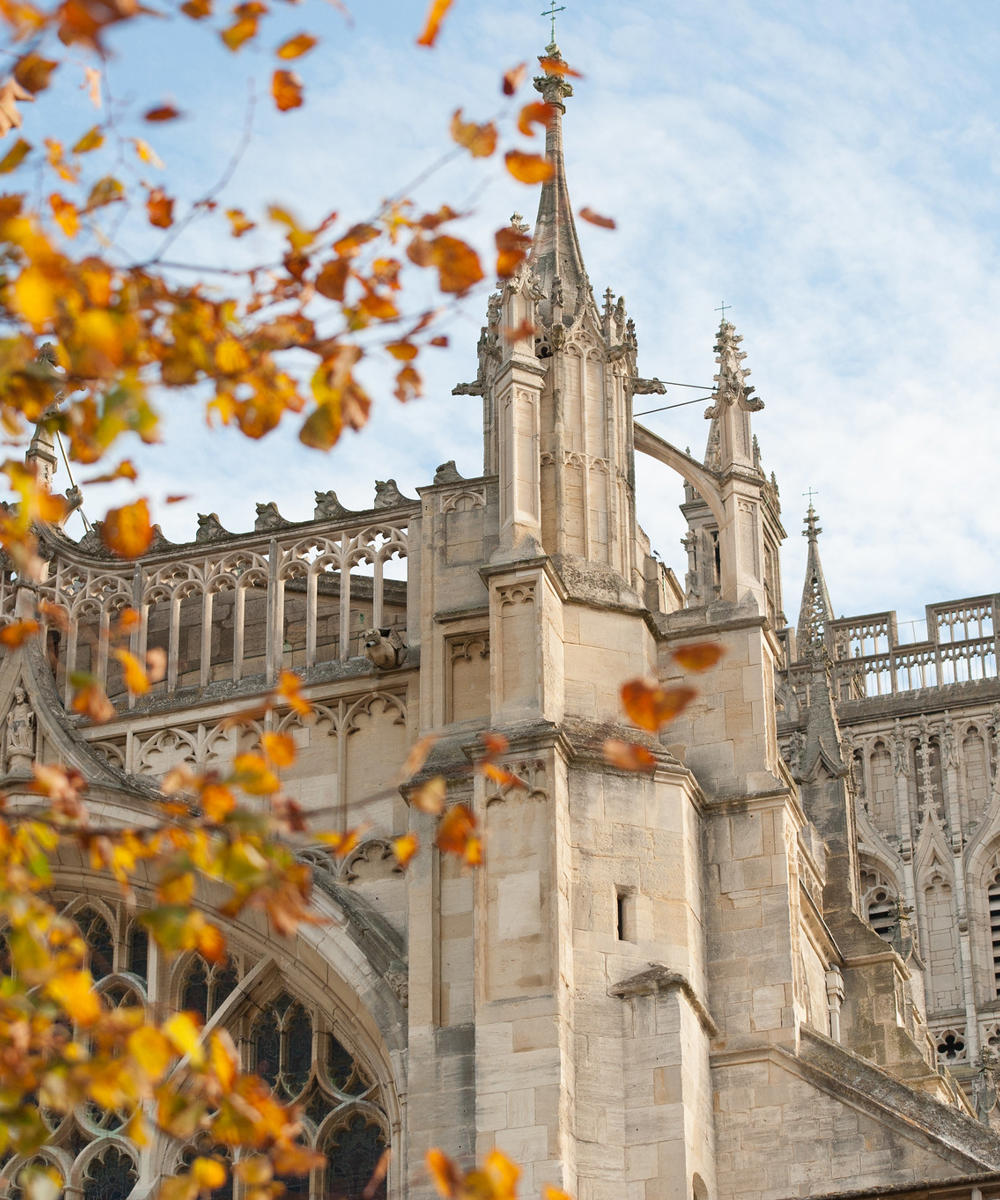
[(768, 968)]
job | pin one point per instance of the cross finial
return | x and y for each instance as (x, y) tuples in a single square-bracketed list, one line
[(810, 493), (722, 307), (550, 12)]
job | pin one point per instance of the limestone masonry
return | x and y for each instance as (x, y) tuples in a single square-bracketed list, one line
[(769, 969)]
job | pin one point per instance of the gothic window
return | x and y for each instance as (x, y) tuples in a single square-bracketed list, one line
[(96, 932), (110, 1174), (206, 985), (881, 903), (138, 950), (353, 1151)]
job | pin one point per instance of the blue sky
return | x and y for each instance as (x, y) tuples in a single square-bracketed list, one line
[(830, 172)]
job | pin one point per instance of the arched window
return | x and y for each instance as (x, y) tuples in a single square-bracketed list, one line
[(110, 1174), (354, 1153), (96, 932), (206, 986), (880, 900)]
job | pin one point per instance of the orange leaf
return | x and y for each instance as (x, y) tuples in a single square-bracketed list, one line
[(254, 776), (627, 756), (405, 847), (430, 797), (409, 385), (457, 263), (473, 856), (279, 748), (297, 46), (17, 633), (536, 113), (136, 679), (403, 351), (524, 330), (528, 168), (479, 140), (289, 689), (332, 279), (513, 79), (588, 214), (556, 66), (91, 701), (445, 1174), (699, 656), (512, 249), (494, 744), (208, 1173), (162, 112), (156, 664), (432, 25), (160, 208), (649, 706), (211, 944), (501, 776), (417, 756), (239, 222), (128, 619), (197, 10), (286, 88), (127, 531), (455, 828)]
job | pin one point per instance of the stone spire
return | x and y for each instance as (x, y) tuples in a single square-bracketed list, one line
[(816, 611), (556, 258), (729, 439)]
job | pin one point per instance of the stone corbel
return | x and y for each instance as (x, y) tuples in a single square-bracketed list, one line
[(659, 980)]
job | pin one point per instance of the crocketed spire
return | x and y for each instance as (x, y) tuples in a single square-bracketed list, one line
[(816, 611), (555, 252), (729, 438)]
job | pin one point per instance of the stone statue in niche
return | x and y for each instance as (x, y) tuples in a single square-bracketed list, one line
[(384, 648), (20, 733)]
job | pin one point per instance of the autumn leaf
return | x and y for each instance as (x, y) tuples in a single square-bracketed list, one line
[(254, 776), (556, 66), (34, 297), (151, 1051), (417, 756), (74, 992), (127, 531), (162, 112), (494, 744), (14, 156), (405, 847), (588, 214), (279, 748), (160, 208), (649, 706), (457, 263), (66, 215), (208, 1173), (698, 656), (93, 139), (479, 140), (17, 633), (92, 84), (444, 1173), (156, 664), (432, 25), (289, 690), (286, 88), (33, 72), (455, 829), (296, 46), (528, 168), (512, 249), (627, 756), (239, 223), (501, 776), (536, 113), (513, 78), (136, 679), (332, 279), (91, 701), (430, 796), (146, 152), (184, 1035)]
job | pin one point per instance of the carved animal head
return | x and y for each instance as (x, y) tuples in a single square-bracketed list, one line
[(381, 651)]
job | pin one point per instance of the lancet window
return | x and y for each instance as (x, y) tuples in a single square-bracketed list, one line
[(993, 898), (881, 903)]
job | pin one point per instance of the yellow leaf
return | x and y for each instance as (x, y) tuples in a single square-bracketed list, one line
[(445, 1174), (222, 1058), (14, 156), (255, 1170), (286, 88), (74, 992), (93, 139), (405, 847), (136, 679), (151, 1051), (297, 46), (432, 25), (34, 297), (146, 152), (184, 1036), (503, 1175), (698, 656), (430, 797), (417, 756), (208, 1173), (177, 1187), (279, 748)]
